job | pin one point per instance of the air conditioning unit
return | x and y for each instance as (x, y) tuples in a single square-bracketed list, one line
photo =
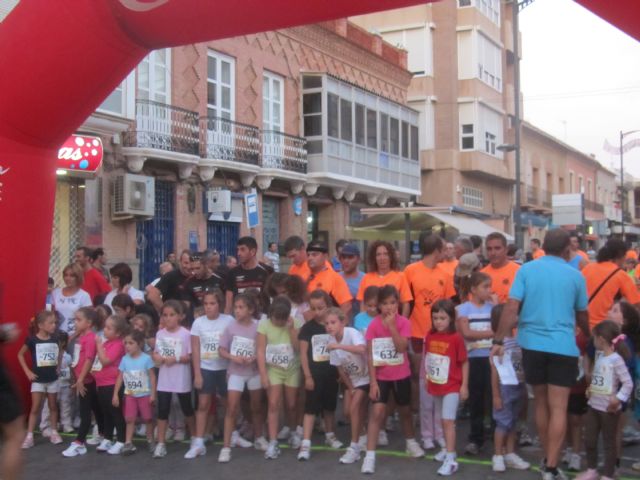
[(218, 201), (132, 196)]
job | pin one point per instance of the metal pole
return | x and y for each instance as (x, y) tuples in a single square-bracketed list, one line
[(516, 125), (622, 187), (407, 237)]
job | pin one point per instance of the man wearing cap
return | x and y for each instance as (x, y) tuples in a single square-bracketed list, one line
[(323, 277), (501, 270), (295, 251), (349, 261)]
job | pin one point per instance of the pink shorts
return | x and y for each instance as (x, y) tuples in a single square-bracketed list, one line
[(134, 406)]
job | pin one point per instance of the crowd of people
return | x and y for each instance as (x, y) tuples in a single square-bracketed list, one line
[(467, 330)]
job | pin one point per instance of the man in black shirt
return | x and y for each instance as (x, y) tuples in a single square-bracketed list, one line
[(249, 273), (203, 280), (172, 285)]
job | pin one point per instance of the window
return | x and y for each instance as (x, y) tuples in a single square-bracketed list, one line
[(489, 143), (346, 129), (464, 3), (472, 197), (580, 184), (466, 137), (332, 115), (154, 77), (490, 8), (114, 103), (489, 62), (571, 184), (394, 136), (416, 41), (372, 128), (220, 86), (405, 139), (360, 124), (415, 143), (491, 125), (272, 102), (589, 189), (312, 114), (384, 132)]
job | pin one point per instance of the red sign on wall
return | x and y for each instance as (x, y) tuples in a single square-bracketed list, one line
[(81, 154)]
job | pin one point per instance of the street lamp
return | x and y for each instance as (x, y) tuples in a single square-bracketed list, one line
[(622, 135)]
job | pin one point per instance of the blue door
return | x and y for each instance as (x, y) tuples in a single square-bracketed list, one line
[(155, 236), (223, 237)]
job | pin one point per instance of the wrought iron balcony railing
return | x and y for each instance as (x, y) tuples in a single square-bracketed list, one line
[(282, 151), (223, 139)]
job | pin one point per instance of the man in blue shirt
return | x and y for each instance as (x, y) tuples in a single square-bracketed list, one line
[(551, 297), (349, 261)]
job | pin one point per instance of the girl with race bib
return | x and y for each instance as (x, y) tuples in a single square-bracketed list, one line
[(84, 352), (109, 352), (43, 374), (138, 376), (279, 366), (320, 379), (348, 352), (389, 373), (173, 355), (238, 347), (209, 368), (611, 385), (447, 374), (143, 323)]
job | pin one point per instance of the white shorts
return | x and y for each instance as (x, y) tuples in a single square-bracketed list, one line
[(51, 387), (238, 382), (448, 405)]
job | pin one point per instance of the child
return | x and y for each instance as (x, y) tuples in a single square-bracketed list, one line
[(104, 312), (143, 323), (389, 372), (173, 354), (138, 376), (279, 366), (209, 369), (296, 291), (238, 346), (65, 395), (474, 324), (447, 376), (610, 386), (507, 401), (109, 352), (71, 297), (369, 309), (84, 353), (348, 352), (320, 381), (45, 360)]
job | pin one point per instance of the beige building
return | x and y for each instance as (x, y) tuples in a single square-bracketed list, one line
[(461, 55)]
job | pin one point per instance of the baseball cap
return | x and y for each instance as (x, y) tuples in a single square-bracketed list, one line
[(350, 250), (316, 246), (467, 264)]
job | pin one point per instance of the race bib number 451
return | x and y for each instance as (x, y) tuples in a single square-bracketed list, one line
[(280, 356), (384, 353), (47, 354)]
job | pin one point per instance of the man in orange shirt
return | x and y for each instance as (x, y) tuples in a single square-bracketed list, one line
[(294, 250), (575, 248), (536, 251), (323, 277), (632, 253), (449, 261), (500, 269)]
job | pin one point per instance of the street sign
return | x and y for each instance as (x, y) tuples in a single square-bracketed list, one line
[(251, 206), (568, 209)]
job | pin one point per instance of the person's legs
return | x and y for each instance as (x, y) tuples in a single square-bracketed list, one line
[(187, 409), (233, 406), (356, 402), (52, 400), (557, 399), (609, 423), (591, 434), (37, 398), (376, 418), (105, 394), (202, 413), (257, 412), (541, 414), (12, 436), (273, 413), (476, 400), (164, 405), (291, 398)]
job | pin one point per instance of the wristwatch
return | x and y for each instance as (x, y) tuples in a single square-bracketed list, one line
[(495, 341)]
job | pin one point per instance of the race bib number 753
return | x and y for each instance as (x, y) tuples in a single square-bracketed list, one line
[(47, 354)]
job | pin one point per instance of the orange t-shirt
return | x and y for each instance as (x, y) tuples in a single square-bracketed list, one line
[(595, 274), (449, 267), (583, 255), (538, 253), (332, 283), (397, 279), (502, 279), (428, 285), (303, 270), (632, 254)]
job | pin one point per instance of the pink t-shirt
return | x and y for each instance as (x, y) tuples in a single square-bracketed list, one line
[(177, 377), (377, 330), (107, 375), (83, 350)]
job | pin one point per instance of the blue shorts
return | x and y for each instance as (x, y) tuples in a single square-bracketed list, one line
[(507, 417)]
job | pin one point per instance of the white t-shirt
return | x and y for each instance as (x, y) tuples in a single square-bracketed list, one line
[(134, 293), (68, 306), (210, 332), (355, 366)]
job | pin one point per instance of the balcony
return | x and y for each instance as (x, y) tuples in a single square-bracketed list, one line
[(229, 141), (163, 127), (283, 152), (536, 198), (593, 206)]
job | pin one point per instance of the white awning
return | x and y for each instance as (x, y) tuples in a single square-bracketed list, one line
[(468, 225)]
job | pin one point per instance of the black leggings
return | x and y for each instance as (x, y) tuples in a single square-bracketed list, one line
[(86, 405), (164, 404), (112, 415)]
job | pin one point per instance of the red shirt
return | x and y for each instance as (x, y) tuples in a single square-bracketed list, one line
[(84, 349), (107, 375), (95, 284), (444, 355)]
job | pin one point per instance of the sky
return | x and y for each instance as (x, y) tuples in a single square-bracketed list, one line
[(580, 78)]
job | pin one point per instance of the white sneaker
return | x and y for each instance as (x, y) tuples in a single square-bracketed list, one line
[(104, 446), (224, 456), (368, 464), (332, 441), (46, 432), (238, 441), (141, 430), (95, 440), (383, 440), (428, 444), (284, 433), (449, 467), (160, 451), (441, 442), (566, 458), (261, 444), (575, 463), (441, 455), (179, 435), (116, 448), (305, 452), (295, 440), (74, 450), (169, 435), (195, 451), (513, 460), (497, 462), (362, 442), (413, 449), (273, 451), (350, 456)]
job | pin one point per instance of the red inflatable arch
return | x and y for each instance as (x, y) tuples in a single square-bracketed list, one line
[(59, 60)]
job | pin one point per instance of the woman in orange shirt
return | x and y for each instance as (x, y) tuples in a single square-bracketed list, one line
[(382, 268)]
